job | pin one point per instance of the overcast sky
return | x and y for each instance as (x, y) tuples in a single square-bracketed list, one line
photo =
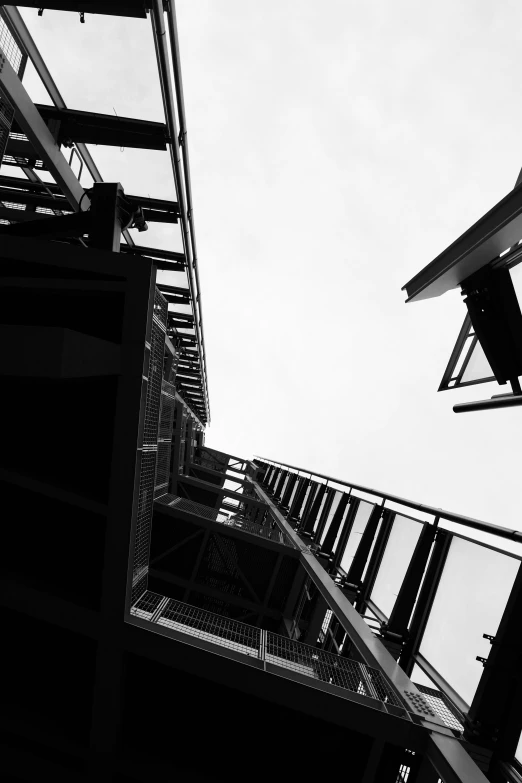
[(336, 149)]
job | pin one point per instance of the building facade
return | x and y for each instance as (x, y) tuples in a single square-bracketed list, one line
[(171, 611)]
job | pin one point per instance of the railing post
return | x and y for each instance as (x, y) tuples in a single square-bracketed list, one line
[(262, 647), (368, 682)]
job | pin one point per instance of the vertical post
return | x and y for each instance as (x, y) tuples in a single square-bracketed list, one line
[(375, 559), (330, 494), (405, 601), (262, 647), (356, 570), (314, 510), (426, 598), (107, 215), (335, 525), (316, 621)]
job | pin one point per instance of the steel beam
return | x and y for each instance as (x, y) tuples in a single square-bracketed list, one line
[(452, 763), (41, 138), (133, 8), (43, 72), (106, 129)]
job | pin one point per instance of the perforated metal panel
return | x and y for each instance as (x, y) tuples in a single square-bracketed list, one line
[(160, 309), (14, 54), (155, 376), (440, 703), (162, 468)]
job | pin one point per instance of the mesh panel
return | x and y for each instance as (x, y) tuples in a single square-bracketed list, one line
[(203, 624), (163, 465), (328, 667), (168, 405), (140, 587), (189, 507), (155, 374), (146, 605), (6, 120), (10, 48), (275, 649), (144, 516), (160, 308), (169, 388)]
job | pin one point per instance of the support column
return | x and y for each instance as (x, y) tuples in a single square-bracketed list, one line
[(297, 502), (108, 216), (314, 487), (289, 488), (314, 510), (324, 515), (279, 484), (345, 532), (375, 559), (333, 530), (356, 570), (397, 626), (427, 596)]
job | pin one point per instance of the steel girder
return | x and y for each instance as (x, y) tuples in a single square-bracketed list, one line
[(41, 138)]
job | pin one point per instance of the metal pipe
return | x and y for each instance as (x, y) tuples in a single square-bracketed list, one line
[(476, 524), (503, 401), (158, 26)]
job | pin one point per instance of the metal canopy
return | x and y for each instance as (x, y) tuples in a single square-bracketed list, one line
[(495, 232)]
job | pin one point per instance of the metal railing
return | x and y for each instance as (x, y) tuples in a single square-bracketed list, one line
[(267, 646), (386, 497)]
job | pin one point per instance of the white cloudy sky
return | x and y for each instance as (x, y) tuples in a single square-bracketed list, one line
[(336, 148)]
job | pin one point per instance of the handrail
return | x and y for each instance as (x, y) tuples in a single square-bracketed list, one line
[(476, 524), (272, 648)]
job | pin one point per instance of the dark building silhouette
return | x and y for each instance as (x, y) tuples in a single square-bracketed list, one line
[(172, 612)]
